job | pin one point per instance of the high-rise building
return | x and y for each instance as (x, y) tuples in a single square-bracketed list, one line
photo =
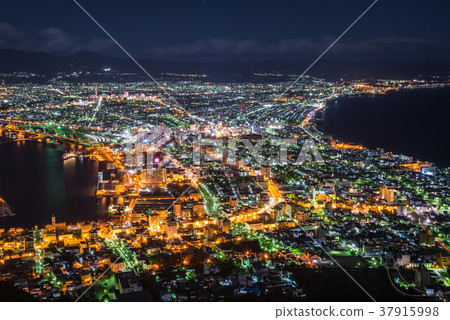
[(233, 202), (171, 227), (29, 244), (302, 216), (226, 225), (387, 194), (423, 277), (276, 213), (266, 171), (198, 210), (287, 209), (177, 209), (402, 210), (320, 234), (209, 231), (156, 177), (426, 239), (153, 221)]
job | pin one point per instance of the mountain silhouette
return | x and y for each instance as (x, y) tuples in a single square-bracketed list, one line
[(87, 61)]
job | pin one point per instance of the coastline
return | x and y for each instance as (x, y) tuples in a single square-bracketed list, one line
[(87, 201), (319, 122)]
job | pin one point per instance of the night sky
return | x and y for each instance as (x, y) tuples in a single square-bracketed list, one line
[(196, 30)]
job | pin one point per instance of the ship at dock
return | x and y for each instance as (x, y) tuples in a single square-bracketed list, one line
[(72, 154)]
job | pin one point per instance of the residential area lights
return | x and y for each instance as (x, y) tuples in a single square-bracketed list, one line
[(225, 228)]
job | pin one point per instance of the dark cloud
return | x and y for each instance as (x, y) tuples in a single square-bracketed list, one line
[(51, 40), (386, 44), (57, 41), (300, 47), (9, 34)]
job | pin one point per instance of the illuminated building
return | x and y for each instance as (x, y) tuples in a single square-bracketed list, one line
[(58, 227), (443, 261), (426, 239), (255, 225), (157, 201), (266, 171), (29, 244), (86, 278), (195, 196), (387, 194), (302, 216), (108, 180), (85, 230), (155, 177), (402, 210), (276, 213), (233, 202), (38, 235), (171, 228), (418, 166), (127, 282), (198, 210), (320, 234), (177, 209), (322, 197), (372, 249), (287, 209), (422, 277), (428, 170), (152, 221), (209, 232), (118, 266), (224, 224)]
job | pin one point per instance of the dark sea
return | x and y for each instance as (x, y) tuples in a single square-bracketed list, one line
[(410, 122), (37, 183)]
